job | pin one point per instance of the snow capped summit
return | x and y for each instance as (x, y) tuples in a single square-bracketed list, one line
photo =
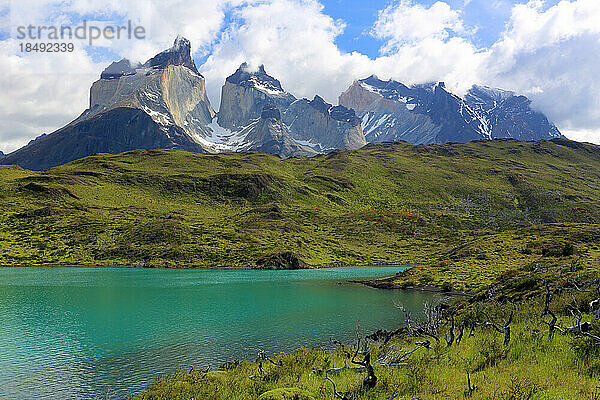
[(159, 104), (429, 113), (259, 79), (163, 104), (180, 43), (509, 115), (245, 93)]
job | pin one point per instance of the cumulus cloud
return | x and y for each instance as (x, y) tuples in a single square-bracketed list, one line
[(405, 22), (553, 56), (40, 94), (294, 40)]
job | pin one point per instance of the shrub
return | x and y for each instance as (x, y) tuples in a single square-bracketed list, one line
[(490, 353)]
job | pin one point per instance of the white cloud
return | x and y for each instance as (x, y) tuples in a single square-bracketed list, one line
[(40, 93), (43, 91), (294, 40), (583, 135), (405, 22), (553, 56), (550, 54)]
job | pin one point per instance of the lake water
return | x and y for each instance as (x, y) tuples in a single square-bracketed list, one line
[(81, 333)]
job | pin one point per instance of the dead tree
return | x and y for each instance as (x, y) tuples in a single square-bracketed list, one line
[(460, 333), (505, 328), (470, 389), (370, 380), (335, 392), (552, 323), (450, 340), (397, 360), (364, 364), (433, 319), (408, 315)]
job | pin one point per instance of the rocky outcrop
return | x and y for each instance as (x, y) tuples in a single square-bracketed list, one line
[(314, 124), (270, 135), (244, 95), (429, 113), (323, 126), (510, 115), (179, 54), (114, 131), (162, 103), (286, 260), (118, 69)]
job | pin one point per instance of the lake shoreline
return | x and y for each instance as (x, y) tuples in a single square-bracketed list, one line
[(196, 267), (382, 284), (376, 283), (126, 326)]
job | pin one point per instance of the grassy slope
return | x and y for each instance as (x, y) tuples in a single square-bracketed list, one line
[(531, 366), (398, 202)]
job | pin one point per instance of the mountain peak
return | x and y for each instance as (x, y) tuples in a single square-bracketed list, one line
[(320, 104), (181, 43), (178, 54), (258, 79), (118, 69)]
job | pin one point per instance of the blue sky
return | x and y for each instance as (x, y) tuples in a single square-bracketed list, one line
[(488, 16)]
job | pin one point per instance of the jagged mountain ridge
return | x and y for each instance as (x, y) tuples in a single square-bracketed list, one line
[(314, 125), (324, 126), (163, 103), (429, 113)]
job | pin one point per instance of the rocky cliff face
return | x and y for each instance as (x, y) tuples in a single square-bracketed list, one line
[(429, 113), (244, 95), (252, 106), (161, 103), (323, 126), (114, 131), (270, 135), (510, 115), (311, 124)]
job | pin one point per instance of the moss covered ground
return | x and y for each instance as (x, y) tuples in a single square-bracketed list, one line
[(389, 202)]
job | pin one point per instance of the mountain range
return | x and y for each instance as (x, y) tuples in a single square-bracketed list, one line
[(162, 103)]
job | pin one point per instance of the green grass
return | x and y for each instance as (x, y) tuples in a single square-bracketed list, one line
[(385, 202)]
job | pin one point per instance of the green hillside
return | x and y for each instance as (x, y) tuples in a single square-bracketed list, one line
[(445, 206)]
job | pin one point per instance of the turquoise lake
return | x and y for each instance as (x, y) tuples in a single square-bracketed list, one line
[(103, 333)]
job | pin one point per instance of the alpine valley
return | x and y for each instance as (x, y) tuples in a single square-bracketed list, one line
[(163, 104)]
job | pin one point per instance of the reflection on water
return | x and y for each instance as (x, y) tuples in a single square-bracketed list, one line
[(104, 333)]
